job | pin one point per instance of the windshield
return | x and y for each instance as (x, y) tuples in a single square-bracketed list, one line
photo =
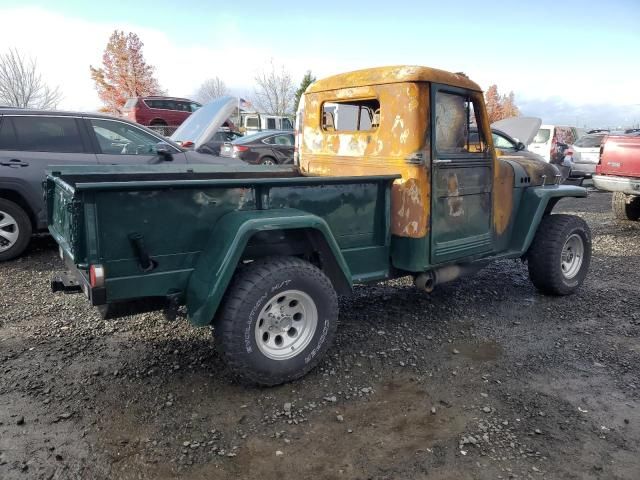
[(252, 137), (542, 136), (589, 141), (500, 141)]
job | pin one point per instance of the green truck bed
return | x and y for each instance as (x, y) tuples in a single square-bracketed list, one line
[(197, 223)]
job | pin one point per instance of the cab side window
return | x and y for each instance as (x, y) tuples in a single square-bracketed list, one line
[(454, 116)]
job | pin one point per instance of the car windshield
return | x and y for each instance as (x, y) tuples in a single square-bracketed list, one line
[(589, 141), (542, 136), (500, 141), (252, 137)]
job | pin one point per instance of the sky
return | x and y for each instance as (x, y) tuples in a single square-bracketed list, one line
[(568, 62)]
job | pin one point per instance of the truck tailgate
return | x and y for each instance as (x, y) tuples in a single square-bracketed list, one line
[(64, 217)]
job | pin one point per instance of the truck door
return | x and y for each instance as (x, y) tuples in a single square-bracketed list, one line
[(462, 176)]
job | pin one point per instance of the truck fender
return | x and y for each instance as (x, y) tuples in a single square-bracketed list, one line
[(535, 203), (218, 261)]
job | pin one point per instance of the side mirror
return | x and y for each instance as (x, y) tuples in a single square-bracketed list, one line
[(520, 146), (164, 150)]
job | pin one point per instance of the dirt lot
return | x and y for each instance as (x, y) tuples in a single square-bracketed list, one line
[(484, 378)]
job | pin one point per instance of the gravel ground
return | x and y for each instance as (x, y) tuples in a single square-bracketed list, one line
[(484, 378)]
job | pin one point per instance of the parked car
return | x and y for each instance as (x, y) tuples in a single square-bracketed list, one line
[(159, 111), (618, 171), (511, 136), (202, 130), (257, 122), (551, 140), (266, 148), (31, 140), (219, 138), (584, 154)]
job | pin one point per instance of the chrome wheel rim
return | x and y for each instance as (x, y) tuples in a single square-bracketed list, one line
[(9, 231), (572, 255), (268, 162), (286, 325)]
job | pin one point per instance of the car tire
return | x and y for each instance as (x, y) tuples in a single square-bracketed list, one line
[(15, 230), (279, 317), (560, 254), (268, 161), (625, 207)]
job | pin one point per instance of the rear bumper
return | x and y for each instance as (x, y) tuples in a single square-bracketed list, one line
[(583, 170), (74, 280), (610, 183)]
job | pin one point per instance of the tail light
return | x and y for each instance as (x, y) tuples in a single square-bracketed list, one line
[(238, 149), (187, 144), (601, 152), (96, 276)]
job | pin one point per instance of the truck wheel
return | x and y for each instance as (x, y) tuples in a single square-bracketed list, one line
[(15, 230), (625, 207), (560, 254), (278, 319)]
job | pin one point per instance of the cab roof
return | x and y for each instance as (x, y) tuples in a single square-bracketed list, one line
[(393, 74)]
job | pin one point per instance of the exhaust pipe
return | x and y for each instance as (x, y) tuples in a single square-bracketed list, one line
[(427, 281)]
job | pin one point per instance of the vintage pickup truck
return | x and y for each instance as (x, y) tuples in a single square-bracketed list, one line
[(387, 184), (618, 171)]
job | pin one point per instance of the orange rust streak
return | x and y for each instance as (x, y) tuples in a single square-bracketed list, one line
[(402, 133), (502, 196)]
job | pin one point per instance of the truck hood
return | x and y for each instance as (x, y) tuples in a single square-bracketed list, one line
[(522, 129), (202, 124)]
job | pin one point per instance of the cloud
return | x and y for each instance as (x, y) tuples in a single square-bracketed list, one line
[(557, 111), (65, 46)]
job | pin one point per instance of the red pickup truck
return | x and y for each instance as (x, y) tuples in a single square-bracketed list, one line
[(619, 172)]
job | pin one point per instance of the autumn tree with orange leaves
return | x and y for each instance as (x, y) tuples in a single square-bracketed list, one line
[(500, 106), (124, 73)]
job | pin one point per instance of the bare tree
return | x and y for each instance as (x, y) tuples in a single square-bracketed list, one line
[(211, 89), (274, 90), (21, 85)]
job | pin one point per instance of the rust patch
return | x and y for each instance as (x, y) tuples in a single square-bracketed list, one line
[(454, 200), (502, 196), (395, 146)]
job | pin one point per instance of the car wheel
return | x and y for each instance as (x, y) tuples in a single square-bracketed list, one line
[(560, 254), (279, 317), (625, 207), (268, 161), (15, 230)]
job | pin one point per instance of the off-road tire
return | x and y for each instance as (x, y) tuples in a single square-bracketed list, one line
[(544, 257), (24, 229), (625, 208), (250, 291)]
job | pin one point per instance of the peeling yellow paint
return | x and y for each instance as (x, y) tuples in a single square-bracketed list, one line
[(403, 128), (400, 144)]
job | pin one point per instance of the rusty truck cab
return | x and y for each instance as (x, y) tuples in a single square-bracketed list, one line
[(413, 121)]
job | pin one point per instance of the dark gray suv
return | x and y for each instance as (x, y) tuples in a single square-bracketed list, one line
[(30, 141)]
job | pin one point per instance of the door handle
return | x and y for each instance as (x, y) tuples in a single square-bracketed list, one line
[(442, 161), (15, 163)]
